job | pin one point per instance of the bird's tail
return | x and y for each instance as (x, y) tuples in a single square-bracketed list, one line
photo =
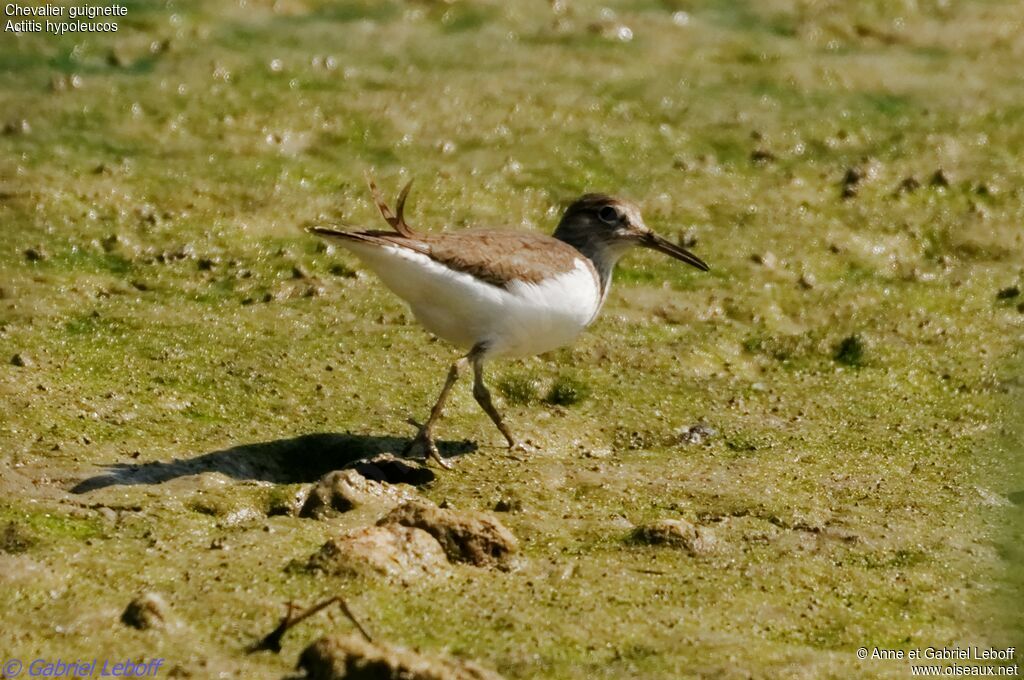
[(396, 220)]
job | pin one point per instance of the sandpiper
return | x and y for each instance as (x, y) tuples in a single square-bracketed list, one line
[(502, 293)]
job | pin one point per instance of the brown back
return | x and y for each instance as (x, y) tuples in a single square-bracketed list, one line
[(499, 256), (496, 256)]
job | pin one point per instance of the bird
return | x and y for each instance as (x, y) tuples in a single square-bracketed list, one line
[(500, 292)]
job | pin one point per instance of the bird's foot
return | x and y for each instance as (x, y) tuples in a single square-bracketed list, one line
[(516, 448), (423, 445)]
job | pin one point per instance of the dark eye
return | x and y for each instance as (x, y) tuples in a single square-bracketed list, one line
[(608, 214)]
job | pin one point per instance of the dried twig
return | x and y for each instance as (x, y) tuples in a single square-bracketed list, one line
[(272, 641)]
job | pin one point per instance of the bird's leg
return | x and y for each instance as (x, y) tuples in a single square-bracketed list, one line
[(425, 438), (483, 397)]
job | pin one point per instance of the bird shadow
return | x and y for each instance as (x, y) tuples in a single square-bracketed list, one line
[(293, 460)]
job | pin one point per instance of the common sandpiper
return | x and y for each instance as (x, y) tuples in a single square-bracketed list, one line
[(502, 293)]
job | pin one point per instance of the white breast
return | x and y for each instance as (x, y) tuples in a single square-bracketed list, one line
[(522, 320), (540, 317)]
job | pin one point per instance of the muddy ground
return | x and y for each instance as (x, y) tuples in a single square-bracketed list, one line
[(829, 421)]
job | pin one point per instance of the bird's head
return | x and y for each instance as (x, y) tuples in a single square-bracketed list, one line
[(604, 228)]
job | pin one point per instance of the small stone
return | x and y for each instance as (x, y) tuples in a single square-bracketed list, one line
[(853, 176), (286, 500), (343, 490), (508, 505), (474, 537), (299, 273), (697, 434), (939, 179), (807, 281), (348, 657), (118, 60), (762, 156), (993, 499), (14, 540), (338, 269), (908, 185), (398, 552), (110, 243), (22, 361), (1008, 293), (17, 127), (677, 533), (849, 351), (766, 259), (147, 611), (35, 254)]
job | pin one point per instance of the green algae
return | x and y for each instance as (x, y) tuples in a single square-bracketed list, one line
[(567, 390)]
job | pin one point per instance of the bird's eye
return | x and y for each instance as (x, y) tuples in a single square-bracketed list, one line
[(608, 214)]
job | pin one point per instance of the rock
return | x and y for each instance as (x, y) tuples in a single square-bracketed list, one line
[(474, 537), (343, 490), (385, 467), (399, 552), (35, 254), (338, 269), (13, 539), (17, 127), (857, 175), (993, 499), (688, 239), (939, 179), (853, 176), (508, 504), (148, 611), (849, 351), (697, 434), (21, 360), (1008, 293), (908, 185), (287, 500), (677, 533), (349, 657)]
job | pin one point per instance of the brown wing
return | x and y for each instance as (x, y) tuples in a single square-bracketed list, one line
[(492, 255), (500, 257)]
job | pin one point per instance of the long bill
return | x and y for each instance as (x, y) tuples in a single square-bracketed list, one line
[(655, 242)]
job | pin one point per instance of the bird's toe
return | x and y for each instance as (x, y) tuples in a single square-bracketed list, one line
[(423, 446)]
